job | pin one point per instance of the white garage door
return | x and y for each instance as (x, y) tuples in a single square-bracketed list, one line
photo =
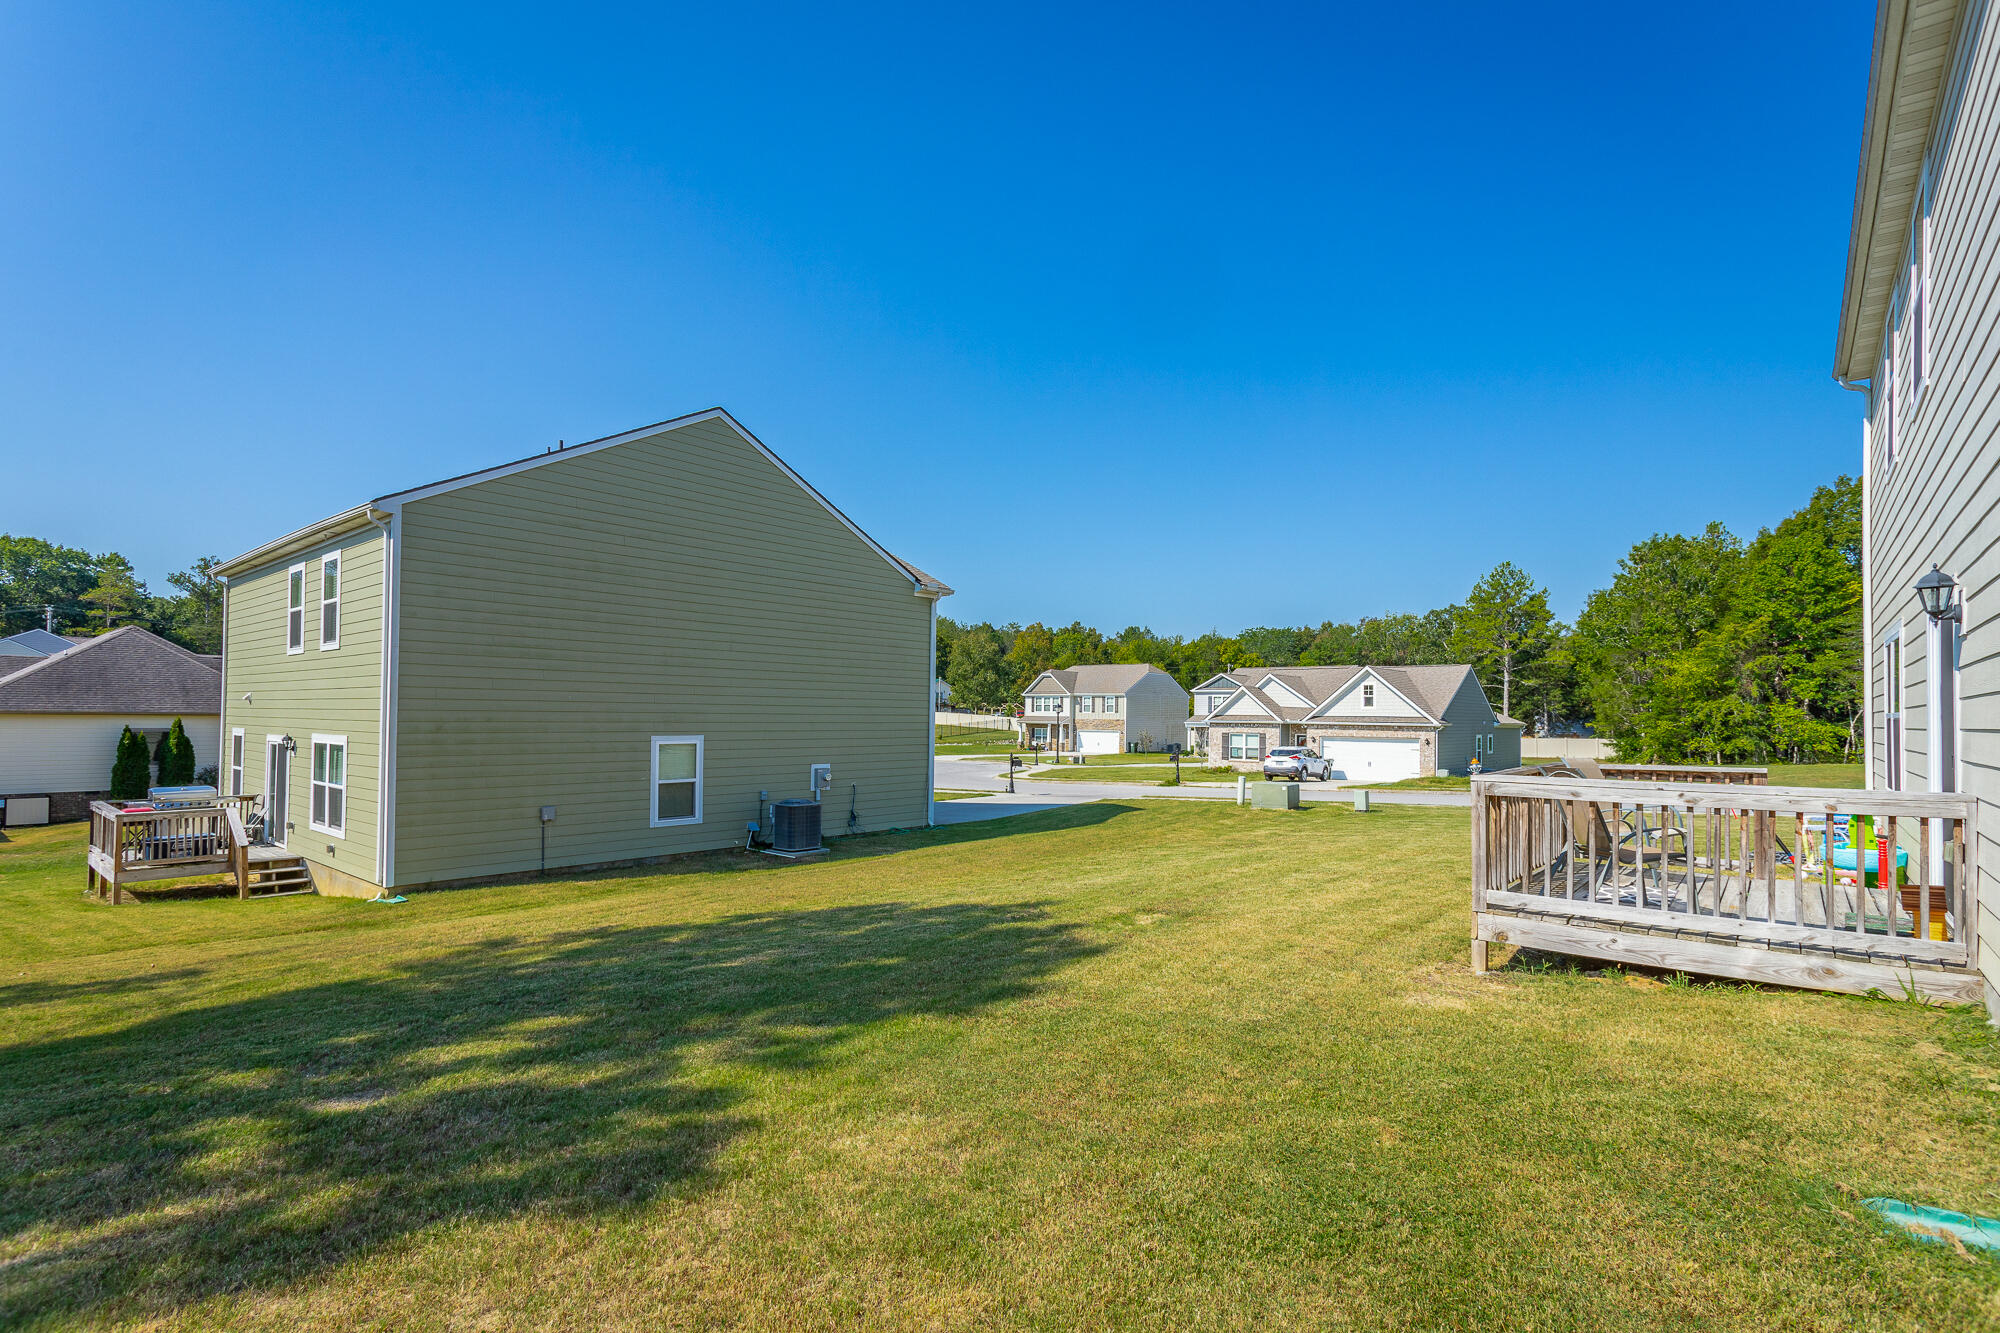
[(1371, 761), (1101, 742)]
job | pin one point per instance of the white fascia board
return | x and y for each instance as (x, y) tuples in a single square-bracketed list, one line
[(1242, 692), (1268, 681)]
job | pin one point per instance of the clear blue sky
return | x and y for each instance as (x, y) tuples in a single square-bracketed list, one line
[(1384, 297)]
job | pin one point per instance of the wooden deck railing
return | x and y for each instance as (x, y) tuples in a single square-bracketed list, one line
[(1682, 773), (132, 846), (1770, 883)]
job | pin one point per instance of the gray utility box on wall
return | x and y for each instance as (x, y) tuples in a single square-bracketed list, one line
[(1274, 795)]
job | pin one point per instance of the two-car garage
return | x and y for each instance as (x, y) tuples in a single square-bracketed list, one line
[(1355, 759)]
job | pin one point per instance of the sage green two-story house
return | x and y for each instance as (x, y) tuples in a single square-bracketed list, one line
[(597, 655)]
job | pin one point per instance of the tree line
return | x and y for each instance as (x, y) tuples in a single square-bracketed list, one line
[(91, 594), (1702, 648)]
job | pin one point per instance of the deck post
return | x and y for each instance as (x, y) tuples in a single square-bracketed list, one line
[(1481, 812)]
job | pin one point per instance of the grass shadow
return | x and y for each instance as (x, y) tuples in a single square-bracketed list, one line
[(250, 1143)]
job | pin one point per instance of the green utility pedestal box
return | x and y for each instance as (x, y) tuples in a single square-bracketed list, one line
[(1274, 795)]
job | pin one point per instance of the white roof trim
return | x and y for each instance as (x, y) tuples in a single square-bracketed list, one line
[(1367, 676), (396, 499), (1050, 677), (1244, 692), (1222, 676)]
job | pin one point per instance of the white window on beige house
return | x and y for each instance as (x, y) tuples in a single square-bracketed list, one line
[(676, 780), (329, 601), (295, 609), (329, 785), (1246, 745)]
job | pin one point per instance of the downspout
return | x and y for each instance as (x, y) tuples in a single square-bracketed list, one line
[(385, 753)]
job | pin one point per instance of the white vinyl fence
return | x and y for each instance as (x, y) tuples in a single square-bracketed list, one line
[(1564, 747)]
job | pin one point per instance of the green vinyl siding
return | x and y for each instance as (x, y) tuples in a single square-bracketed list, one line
[(556, 619), (334, 692)]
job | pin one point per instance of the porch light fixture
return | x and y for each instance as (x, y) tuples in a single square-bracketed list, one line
[(1934, 591), (291, 746)]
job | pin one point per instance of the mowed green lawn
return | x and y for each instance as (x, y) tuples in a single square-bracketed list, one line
[(1145, 1066)]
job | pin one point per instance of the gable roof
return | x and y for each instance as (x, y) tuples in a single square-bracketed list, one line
[(129, 670), (1430, 688), (1098, 677), (926, 585)]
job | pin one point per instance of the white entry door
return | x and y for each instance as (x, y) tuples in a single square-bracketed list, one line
[(1370, 760), (1101, 742)]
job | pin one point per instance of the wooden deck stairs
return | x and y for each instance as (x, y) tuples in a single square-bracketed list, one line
[(273, 873)]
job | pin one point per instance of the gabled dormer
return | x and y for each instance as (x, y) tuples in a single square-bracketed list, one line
[(1282, 694), (1369, 696)]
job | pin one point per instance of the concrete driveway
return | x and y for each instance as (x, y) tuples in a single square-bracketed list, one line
[(987, 774)]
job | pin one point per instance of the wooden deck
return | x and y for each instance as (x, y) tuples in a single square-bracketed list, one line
[(1708, 876), (140, 846)]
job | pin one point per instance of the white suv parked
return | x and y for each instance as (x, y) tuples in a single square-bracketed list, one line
[(1295, 765)]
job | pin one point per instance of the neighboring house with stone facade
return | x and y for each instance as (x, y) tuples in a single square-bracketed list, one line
[(1104, 709), (1374, 724), (61, 715)]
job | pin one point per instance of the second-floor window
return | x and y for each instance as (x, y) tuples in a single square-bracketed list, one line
[(1367, 696), (1108, 703), (1085, 704), (329, 601), (295, 609)]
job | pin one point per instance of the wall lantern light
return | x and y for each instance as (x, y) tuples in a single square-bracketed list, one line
[(1934, 590)]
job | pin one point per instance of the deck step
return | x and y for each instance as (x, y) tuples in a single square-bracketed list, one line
[(269, 879)]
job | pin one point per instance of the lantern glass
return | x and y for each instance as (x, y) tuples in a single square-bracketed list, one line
[(1934, 591)]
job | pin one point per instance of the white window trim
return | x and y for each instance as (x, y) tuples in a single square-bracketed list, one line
[(239, 755), (1368, 695), (653, 788), (300, 572), (312, 782), (339, 587), (275, 742)]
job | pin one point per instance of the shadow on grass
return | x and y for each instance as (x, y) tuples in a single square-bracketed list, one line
[(224, 1148)]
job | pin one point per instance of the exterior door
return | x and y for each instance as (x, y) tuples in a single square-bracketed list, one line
[(277, 791)]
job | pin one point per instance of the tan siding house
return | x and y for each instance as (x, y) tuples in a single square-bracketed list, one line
[(646, 637), (1104, 708), (1918, 331)]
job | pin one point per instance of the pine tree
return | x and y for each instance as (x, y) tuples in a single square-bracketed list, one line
[(163, 756), (1505, 625), (131, 772), (177, 765)]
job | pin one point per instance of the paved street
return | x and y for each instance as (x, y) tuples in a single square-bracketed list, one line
[(985, 774)]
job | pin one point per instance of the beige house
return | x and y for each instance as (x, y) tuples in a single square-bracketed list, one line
[(1374, 724), (596, 655), (62, 712), (1104, 709), (1917, 333)]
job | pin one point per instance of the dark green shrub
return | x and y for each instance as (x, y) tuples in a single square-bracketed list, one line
[(132, 771), (177, 757)]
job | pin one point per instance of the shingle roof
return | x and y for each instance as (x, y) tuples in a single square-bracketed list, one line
[(128, 670), (1430, 688), (1100, 678)]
